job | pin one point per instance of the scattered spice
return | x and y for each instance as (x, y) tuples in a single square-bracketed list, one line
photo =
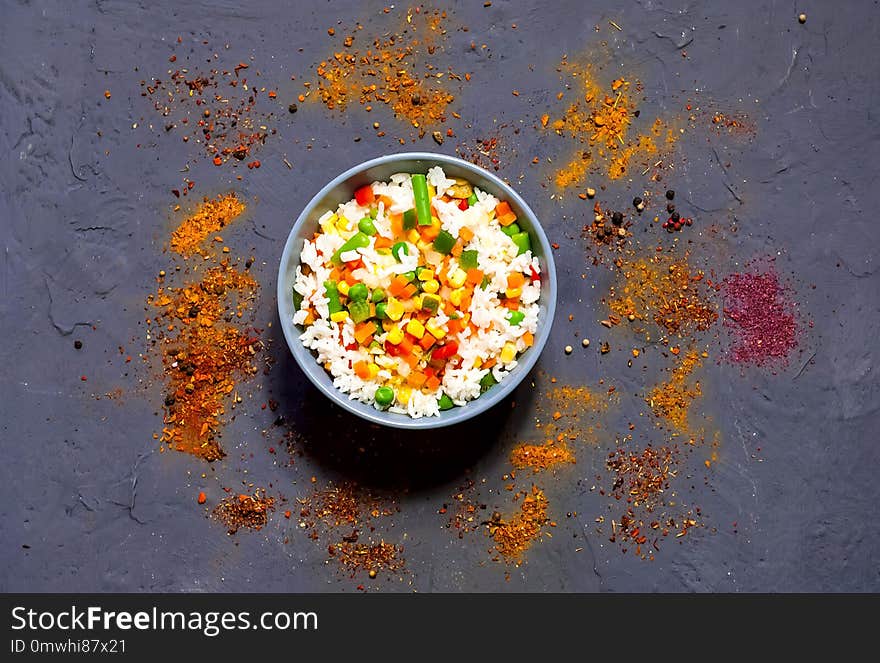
[(761, 315), (211, 217), (663, 289), (671, 400), (515, 535), (248, 511), (492, 151), (396, 69), (216, 108), (539, 457), (598, 122)]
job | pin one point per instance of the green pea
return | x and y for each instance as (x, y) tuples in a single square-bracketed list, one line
[(358, 292), (384, 396), (378, 296), (366, 226), (380, 310), (410, 276)]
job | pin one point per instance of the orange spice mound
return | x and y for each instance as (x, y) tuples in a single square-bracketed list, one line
[(203, 355), (514, 536), (671, 400), (248, 511), (666, 291), (539, 457), (211, 217), (396, 70), (601, 121)]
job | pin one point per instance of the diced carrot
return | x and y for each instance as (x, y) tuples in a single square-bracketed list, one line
[(416, 379), (457, 248), (516, 280), (510, 304), (466, 234), (427, 341), (383, 242), (363, 330), (454, 325), (465, 302), (409, 290), (349, 278), (489, 363), (528, 339), (334, 274), (504, 213), (432, 383), (396, 223), (362, 369), (475, 276), (411, 359), (406, 345), (397, 285), (386, 200), (429, 233)]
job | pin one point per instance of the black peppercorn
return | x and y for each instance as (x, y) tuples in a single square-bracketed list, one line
[(670, 195), (637, 201), (78, 345), (670, 207), (617, 218), (675, 217)]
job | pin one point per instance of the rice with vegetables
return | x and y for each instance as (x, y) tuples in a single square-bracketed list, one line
[(419, 294)]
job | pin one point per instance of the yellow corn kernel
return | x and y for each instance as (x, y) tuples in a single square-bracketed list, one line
[(415, 328), (394, 309), (403, 394), (342, 224), (512, 293), (343, 287), (435, 222), (431, 286), (432, 191), (423, 245), (413, 236), (339, 316), (457, 278), (434, 330), (478, 361), (329, 226), (508, 353), (416, 302), (374, 370), (395, 335), (426, 274), (455, 296)]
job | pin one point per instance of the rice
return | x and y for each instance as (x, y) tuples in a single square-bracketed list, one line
[(434, 314)]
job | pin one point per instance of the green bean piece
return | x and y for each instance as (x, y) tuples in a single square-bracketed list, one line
[(445, 403), (523, 242), (512, 229), (515, 318), (472, 199), (357, 241), (332, 292), (423, 200), (397, 248), (410, 219)]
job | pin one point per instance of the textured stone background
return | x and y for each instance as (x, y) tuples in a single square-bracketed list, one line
[(88, 504)]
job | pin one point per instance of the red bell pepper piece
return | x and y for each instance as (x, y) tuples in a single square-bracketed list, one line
[(535, 275), (364, 196)]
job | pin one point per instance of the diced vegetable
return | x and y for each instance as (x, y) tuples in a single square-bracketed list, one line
[(445, 351), (487, 382), (523, 242), (469, 259), (359, 311), (366, 226), (423, 199), (504, 214), (380, 310), (515, 318), (461, 189), (384, 396), (358, 292), (332, 293), (410, 219), (397, 248), (377, 296), (431, 303), (445, 403), (297, 300), (511, 230), (357, 241), (444, 242), (409, 276), (472, 199), (364, 196)]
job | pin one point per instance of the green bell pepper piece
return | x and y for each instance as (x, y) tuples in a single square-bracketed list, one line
[(444, 243)]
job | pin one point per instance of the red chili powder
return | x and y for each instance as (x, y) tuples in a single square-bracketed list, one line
[(761, 315)]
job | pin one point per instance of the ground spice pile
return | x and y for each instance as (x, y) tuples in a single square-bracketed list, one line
[(215, 107), (209, 219), (515, 535), (761, 315), (665, 290), (398, 69), (541, 457), (248, 511), (642, 482), (343, 515), (672, 400), (198, 327), (598, 123)]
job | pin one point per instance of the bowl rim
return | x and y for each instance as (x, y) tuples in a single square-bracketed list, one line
[(458, 414)]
